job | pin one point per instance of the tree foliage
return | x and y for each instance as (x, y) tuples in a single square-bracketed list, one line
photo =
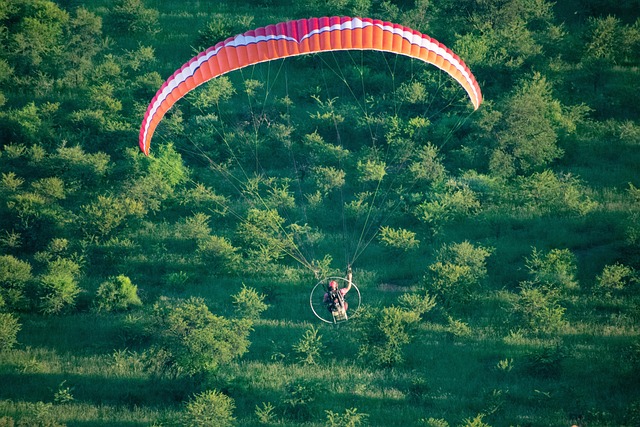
[(209, 408), (117, 294), (15, 274), (384, 334), (458, 272), (195, 339), (9, 328)]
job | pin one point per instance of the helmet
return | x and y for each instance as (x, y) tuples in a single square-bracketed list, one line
[(333, 285)]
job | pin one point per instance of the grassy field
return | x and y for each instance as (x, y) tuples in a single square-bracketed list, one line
[(475, 360)]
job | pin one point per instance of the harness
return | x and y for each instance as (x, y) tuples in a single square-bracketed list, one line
[(337, 306), (336, 301)]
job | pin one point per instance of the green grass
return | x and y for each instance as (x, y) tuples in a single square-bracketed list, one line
[(442, 377), (87, 369)]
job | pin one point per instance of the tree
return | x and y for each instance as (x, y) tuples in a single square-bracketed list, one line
[(117, 294), (58, 286), (78, 167), (249, 304), (526, 137), (209, 408), (385, 332), (459, 268), (539, 301), (14, 276), (9, 328), (310, 347), (83, 37), (398, 238), (36, 30), (501, 37), (264, 234), (428, 167), (131, 16), (556, 268), (194, 339), (158, 179)]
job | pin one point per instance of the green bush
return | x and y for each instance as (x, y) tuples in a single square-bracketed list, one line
[(248, 303), (310, 347), (9, 328), (14, 275), (398, 238), (59, 286), (300, 396), (417, 303), (434, 422), (130, 16), (475, 422), (193, 339), (546, 362), (350, 418), (557, 268), (459, 269), (218, 254), (117, 294), (539, 307), (457, 328), (209, 408), (614, 278), (385, 332)]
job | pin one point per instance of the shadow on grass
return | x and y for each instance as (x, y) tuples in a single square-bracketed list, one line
[(94, 390)]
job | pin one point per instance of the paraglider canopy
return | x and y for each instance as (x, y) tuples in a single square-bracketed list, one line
[(300, 37)]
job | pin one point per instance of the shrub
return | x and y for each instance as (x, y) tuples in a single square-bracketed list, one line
[(417, 303), (454, 201), (58, 286), (475, 422), (546, 192), (385, 333), (350, 418), (265, 414), (248, 303), (301, 394), (546, 362), (459, 268), (221, 27), (398, 238), (193, 339), (539, 307), (117, 294), (218, 254), (556, 268), (130, 16), (457, 328), (614, 278), (9, 328), (434, 422), (310, 347), (14, 275), (209, 408), (63, 394)]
